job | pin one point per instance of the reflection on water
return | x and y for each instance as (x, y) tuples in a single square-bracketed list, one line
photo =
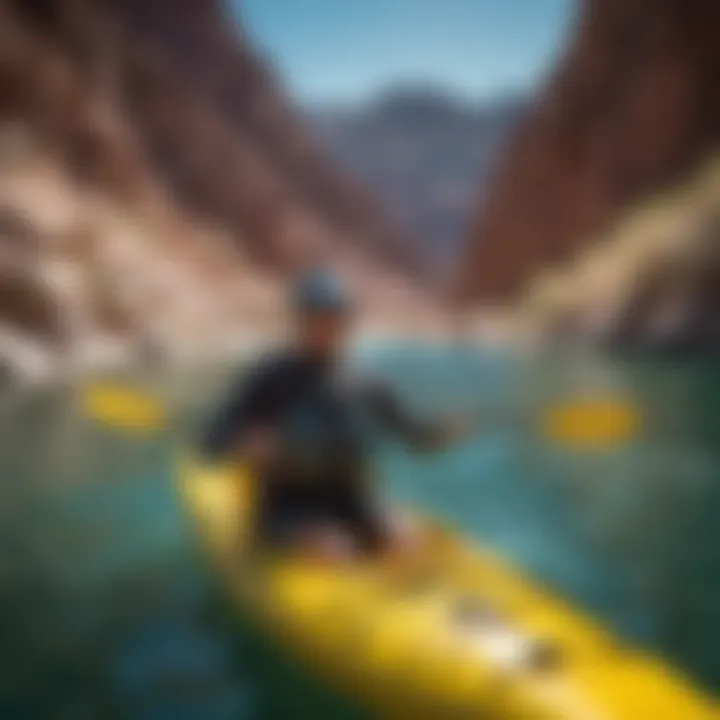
[(105, 610)]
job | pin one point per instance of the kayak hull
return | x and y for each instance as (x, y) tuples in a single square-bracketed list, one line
[(456, 634)]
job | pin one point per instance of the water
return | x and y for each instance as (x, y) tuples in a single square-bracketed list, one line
[(106, 609)]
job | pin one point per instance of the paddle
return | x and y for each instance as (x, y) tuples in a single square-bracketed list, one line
[(123, 407), (581, 423), (593, 422)]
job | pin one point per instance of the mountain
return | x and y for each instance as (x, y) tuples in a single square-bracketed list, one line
[(156, 185), (425, 154), (632, 108)]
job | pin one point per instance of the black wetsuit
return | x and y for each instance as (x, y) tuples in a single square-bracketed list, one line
[(326, 420)]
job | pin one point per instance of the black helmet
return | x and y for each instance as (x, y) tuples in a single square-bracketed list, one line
[(321, 291)]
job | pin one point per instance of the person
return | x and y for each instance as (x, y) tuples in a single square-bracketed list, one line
[(304, 425)]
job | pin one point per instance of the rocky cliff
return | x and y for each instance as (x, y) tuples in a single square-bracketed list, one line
[(428, 154), (633, 107), (155, 183), (651, 283)]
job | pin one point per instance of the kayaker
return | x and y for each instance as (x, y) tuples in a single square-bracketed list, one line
[(303, 424)]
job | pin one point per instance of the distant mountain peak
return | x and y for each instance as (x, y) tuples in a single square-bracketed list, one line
[(425, 151), (418, 100)]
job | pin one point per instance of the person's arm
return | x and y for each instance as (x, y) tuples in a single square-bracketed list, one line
[(240, 429), (421, 434)]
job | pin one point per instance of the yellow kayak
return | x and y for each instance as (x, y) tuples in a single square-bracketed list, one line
[(459, 635)]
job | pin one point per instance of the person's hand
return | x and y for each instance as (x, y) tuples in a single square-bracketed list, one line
[(259, 447)]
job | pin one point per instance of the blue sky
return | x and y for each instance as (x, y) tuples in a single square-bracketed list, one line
[(348, 50)]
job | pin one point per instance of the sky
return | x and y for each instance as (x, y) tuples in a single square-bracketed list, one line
[(340, 51)]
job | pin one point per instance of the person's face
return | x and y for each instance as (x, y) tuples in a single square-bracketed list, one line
[(324, 334)]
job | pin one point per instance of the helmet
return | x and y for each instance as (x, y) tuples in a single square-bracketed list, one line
[(321, 291)]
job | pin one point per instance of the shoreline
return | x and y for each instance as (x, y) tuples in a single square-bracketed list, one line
[(28, 363)]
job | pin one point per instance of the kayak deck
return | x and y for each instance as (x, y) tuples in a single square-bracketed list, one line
[(457, 634)]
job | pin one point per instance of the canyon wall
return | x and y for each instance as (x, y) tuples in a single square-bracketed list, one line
[(156, 184), (633, 107)]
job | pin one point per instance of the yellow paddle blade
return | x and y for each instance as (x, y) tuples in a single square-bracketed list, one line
[(123, 407), (592, 423)]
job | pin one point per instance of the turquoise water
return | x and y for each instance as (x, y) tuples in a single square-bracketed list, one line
[(106, 611)]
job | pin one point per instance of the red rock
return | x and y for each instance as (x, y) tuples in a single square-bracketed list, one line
[(148, 98), (633, 106)]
